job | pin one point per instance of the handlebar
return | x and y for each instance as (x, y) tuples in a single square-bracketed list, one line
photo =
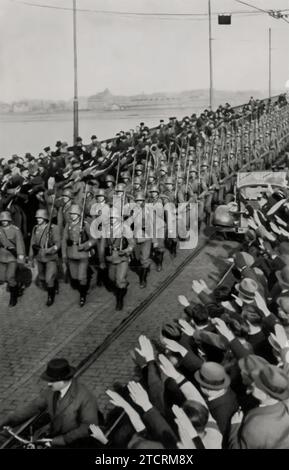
[(29, 444)]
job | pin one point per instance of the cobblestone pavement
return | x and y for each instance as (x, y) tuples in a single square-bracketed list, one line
[(32, 334)]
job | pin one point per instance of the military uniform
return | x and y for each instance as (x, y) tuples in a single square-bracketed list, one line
[(12, 251), (142, 235), (76, 244), (44, 246), (156, 207), (118, 251)]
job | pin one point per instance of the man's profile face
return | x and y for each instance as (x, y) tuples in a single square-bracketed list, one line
[(57, 386)]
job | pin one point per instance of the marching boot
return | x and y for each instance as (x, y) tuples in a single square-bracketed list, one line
[(159, 260), (143, 277), (56, 286), (100, 277), (13, 296), (51, 296), (174, 248), (120, 294), (74, 284), (82, 292)]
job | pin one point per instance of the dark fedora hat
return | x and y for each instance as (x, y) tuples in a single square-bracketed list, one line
[(273, 381), (212, 376), (57, 370)]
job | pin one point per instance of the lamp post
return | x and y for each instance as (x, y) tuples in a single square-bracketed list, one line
[(210, 55), (75, 99), (270, 65)]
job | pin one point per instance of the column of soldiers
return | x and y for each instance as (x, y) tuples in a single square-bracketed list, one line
[(50, 204)]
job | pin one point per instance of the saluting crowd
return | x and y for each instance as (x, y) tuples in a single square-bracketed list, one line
[(218, 378)]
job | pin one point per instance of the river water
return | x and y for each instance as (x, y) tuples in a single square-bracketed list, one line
[(21, 133)]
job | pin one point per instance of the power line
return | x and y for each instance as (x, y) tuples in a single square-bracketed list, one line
[(200, 16), (277, 14), (252, 6)]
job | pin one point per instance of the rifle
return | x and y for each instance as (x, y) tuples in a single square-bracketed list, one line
[(82, 216), (50, 222), (117, 172), (211, 160), (133, 169)]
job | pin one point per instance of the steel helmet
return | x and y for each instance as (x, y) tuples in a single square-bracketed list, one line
[(222, 217), (137, 180), (5, 216), (125, 174), (120, 187), (151, 174), (67, 193), (140, 196), (109, 178), (99, 192), (75, 209), (193, 169), (154, 189), (164, 168), (139, 167), (169, 180), (42, 214)]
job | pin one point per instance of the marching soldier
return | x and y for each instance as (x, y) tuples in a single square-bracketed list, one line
[(76, 244), (137, 186), (158, 228), (44, 246), (100, 209), (12, 251), (120, 245), (143, 242), (170, 196), (109, 191)]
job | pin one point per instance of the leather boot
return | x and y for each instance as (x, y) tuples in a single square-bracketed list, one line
[(74, 283), (100, 277), (51, 296), (56, 286), (120, 294), (159, 261), (82, 292), (13, 296), (174, 248), (143, 277)]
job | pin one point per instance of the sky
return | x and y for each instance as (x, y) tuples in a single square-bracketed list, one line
[(132, 55)]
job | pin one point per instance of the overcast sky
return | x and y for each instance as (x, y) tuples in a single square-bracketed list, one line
[(134, 55)]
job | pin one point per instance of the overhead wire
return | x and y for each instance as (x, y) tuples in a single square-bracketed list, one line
[(160, 15)]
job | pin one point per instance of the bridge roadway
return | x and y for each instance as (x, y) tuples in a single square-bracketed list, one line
[(31, 333)]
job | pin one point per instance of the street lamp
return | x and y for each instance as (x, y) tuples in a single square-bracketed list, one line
[(210, 55), (75, 99)]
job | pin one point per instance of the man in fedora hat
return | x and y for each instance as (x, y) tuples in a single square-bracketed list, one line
[(221, 400), (266, 426), (70, 405)]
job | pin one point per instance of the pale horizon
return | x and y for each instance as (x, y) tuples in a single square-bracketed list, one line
[(132, 56)]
